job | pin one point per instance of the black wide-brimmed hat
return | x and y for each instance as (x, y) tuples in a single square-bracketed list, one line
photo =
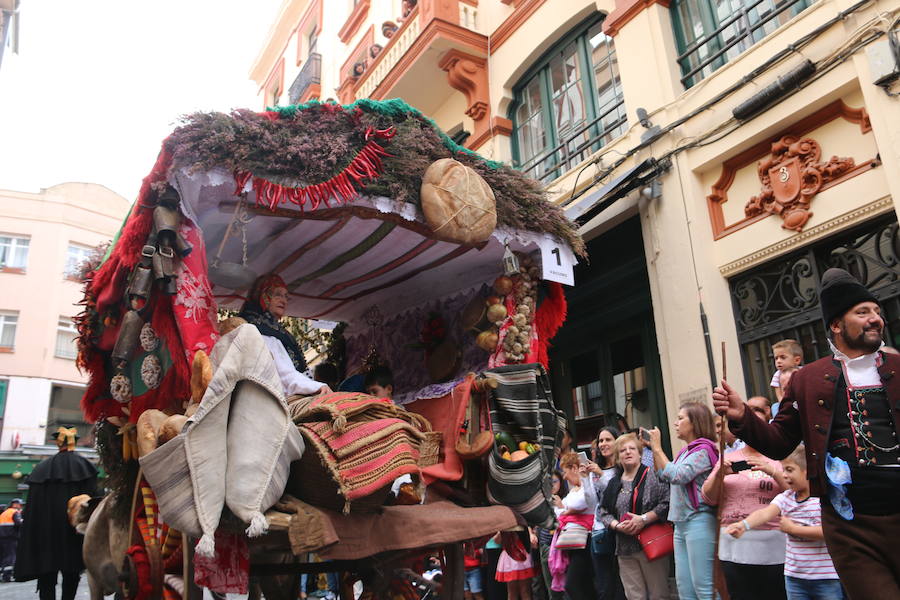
[(841, 291)]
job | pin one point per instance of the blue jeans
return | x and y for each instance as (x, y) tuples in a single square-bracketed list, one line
[(813, 589), (695, 545)]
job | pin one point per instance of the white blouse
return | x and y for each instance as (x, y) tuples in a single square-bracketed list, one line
[(575, 502), (293, 381)]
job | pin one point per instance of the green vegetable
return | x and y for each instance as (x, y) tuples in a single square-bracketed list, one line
[(504, 439)]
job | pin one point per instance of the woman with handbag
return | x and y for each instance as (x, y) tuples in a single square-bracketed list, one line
[(595, 477), (636, 501), (695, 520), (573, 535)]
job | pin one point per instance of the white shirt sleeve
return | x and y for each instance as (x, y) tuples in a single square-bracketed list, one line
[(293, 381), (776, 379)]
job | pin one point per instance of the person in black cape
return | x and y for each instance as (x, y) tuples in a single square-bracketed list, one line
[(48, 544)]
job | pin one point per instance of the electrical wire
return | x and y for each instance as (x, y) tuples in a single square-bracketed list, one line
[(864, 35)]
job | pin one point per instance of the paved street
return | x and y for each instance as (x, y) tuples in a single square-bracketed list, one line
[(26, 590)]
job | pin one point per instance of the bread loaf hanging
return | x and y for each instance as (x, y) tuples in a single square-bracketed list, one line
[(458, 204)]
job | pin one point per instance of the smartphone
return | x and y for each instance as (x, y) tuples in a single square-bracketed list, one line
[(583, 458), (740, 465), (645, 435)]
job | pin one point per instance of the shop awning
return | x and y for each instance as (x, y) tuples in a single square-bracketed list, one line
[(600, 199)]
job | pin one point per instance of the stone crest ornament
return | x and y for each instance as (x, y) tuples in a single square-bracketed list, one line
[(791, 177)]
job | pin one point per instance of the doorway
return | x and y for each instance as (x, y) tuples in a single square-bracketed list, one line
[(604, 362)]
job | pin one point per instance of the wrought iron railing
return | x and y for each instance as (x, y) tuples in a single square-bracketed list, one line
[(310, 73), (779, 299), (565, 155), (739, 31)]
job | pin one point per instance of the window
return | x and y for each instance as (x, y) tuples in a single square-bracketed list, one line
[(13, 252), (65, 339), (569, 105), (8, 322), (710, 33), (75, 256), (4, 386)]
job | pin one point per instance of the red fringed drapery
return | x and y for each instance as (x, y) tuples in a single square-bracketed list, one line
[(550, 316), (344, 187)]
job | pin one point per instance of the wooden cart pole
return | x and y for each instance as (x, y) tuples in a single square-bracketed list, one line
[(455, 573), (192, 591)]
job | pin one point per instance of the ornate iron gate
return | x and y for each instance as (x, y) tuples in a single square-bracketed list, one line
[(778, 300)]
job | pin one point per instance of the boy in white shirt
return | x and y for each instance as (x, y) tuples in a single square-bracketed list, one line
[(808, 571)]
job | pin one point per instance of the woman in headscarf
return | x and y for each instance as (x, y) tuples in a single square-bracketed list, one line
[(265, 305)]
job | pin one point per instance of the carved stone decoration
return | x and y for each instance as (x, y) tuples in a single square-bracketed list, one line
[(791, 177), (468, 74), (763, 151)]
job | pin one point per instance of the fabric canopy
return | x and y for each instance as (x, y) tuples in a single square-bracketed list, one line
[(340, 261)]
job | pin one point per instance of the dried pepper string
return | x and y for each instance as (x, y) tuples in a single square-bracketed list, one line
[(343, 187)]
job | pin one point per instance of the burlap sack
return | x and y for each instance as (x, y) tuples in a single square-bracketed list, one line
[(236, 450)]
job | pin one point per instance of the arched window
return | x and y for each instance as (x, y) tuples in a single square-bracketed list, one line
[(569, 104)]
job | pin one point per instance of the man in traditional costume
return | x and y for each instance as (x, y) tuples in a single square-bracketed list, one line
[(846, 408), (48, 544), (266, 304)]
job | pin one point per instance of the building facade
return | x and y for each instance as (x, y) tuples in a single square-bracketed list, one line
[(719, 156), (44, 238)]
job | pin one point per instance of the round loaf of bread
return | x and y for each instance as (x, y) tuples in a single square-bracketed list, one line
[(458, 203)]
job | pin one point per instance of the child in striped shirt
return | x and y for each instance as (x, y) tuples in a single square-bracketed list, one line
[(808, 571)]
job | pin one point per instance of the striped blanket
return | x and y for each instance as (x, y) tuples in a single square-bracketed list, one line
[(361, 445), (341, 407), (522, 405)]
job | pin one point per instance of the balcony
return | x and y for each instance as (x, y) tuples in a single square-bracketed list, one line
[(418, 49), (308, 80)]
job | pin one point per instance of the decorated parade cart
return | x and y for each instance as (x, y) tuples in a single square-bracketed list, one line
[(437, 263)]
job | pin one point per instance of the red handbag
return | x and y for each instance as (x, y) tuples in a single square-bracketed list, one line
[(657, 539)]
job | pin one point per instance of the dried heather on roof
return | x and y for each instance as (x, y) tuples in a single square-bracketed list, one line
[(310, 143)]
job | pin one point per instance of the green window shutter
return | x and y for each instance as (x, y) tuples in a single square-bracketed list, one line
[(4, 385)]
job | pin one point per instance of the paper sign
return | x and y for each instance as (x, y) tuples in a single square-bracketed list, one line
[(557, 262)]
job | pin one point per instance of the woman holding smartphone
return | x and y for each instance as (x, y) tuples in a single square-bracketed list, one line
[(694, 519), (633, 499), (753, 564), (580, 573), (596, 475)]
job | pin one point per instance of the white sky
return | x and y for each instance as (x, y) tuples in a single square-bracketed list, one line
[(98, 84)]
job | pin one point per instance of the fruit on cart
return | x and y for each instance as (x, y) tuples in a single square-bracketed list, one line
[(528, 447), (503, 285), (519, 455), (487, 340), (496, 313), (493, 300)]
